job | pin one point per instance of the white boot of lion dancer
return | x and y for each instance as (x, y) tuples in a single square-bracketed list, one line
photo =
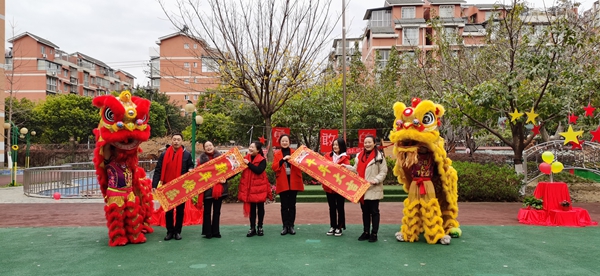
[(426, 174), (127, 192)]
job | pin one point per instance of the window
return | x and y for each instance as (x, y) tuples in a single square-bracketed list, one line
[(493, 14), (65, 87), (186, 97), (408, 58), (195, 80), (86, 77), (9, 64), (195, 46), (66, 72), (186, 64), (51, 84), (447, 11), (155, 83), (186, 81), (186, 46), (384, 56), (43, 49), (450, 35), (209, 65), (381, 18), (195, 97), (410, 36), (195, 64), (408, 12)]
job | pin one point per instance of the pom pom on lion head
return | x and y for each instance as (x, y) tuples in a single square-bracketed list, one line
[(124, 120)]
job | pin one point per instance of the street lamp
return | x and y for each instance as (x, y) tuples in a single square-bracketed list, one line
[(14, 147), (27, 135), (197, 120)]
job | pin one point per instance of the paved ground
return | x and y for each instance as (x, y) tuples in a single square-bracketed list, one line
[(18, 210)]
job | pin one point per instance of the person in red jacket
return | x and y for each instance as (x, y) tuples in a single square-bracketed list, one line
[(289, 183), (255, 188), (337, 215)]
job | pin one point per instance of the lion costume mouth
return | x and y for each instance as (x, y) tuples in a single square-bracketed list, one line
[(128, 144)]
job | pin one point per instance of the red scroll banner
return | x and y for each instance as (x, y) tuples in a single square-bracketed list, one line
[(362, 133), (326, 138), (276, 132), (199, 179), (339, 179)]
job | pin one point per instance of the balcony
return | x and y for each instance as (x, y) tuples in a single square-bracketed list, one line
[(73, 81)]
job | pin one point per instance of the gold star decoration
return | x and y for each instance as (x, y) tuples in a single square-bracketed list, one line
[(515, 115), (531, 116), (571, 136)]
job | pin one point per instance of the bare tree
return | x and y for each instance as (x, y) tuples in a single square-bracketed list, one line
[(267, 50)]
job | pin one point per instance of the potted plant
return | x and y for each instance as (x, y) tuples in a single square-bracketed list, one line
[(565, 205), (533, 202)]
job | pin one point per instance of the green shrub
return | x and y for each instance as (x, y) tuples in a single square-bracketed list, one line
[(489, 182)]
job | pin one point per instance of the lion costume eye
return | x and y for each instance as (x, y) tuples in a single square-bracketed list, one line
[(429, 118), (109, 115)]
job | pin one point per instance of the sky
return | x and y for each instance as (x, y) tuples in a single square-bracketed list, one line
[(120, 32)]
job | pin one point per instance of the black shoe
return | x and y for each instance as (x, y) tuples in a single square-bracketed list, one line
[(218, 236), (291, 230), (177, 236), (251, 232), (284, 231), (373, 237), (364, 236), (208, 236), (169, 236), (261, 232)]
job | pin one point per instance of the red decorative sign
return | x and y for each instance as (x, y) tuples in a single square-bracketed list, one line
[(362, 133), (338, 178), (326, 138), (200, 179), (351, 151), (276, 132)]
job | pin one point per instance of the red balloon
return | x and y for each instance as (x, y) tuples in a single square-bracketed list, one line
[(56, 195), (545, 168)]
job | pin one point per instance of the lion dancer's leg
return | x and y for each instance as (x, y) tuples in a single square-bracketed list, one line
[(450, 205), (115, 218), (412, 224), (144, 192), (431, 214), (134, 220)]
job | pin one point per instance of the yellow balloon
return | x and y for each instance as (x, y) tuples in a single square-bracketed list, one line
[(557, 167), (548, 157)]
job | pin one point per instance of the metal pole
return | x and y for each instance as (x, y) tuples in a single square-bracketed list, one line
[(27, 151), (344, 65), (194, 137), (15, 142)]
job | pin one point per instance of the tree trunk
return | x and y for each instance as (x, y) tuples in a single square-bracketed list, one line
[(269, 137)]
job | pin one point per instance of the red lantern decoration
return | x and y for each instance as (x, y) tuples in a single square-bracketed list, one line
[(56, 195)]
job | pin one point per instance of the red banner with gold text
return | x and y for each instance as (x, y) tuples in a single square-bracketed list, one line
[(199, 179), (326, 138), (276, 132), (338, 178)]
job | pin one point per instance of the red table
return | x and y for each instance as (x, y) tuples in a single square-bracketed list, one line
[(552, 193)]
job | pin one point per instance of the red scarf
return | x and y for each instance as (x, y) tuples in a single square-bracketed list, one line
[(363, 160), (171, 166)]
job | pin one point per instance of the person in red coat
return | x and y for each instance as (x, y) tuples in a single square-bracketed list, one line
[(289, 183), (337, 215), (254, 188)]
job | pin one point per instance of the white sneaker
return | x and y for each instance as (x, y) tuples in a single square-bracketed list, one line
[(330, 232), (338, 232)]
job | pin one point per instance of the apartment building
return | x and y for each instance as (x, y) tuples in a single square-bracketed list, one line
[(182, 68), (335, 58), (36, 68)]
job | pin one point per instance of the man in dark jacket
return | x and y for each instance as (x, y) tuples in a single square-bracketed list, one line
[(172, 163)]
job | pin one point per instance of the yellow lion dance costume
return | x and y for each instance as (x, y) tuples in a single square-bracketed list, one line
[(426, 173)]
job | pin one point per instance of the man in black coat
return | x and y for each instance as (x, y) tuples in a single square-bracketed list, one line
[(172, 163)]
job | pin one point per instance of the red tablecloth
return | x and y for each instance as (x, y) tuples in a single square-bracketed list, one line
[(552, 193)]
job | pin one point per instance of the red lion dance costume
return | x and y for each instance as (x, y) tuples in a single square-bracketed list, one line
[(126, 190)]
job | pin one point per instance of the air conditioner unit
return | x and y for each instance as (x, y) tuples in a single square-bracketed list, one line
[(44, 56), (53, 73)]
